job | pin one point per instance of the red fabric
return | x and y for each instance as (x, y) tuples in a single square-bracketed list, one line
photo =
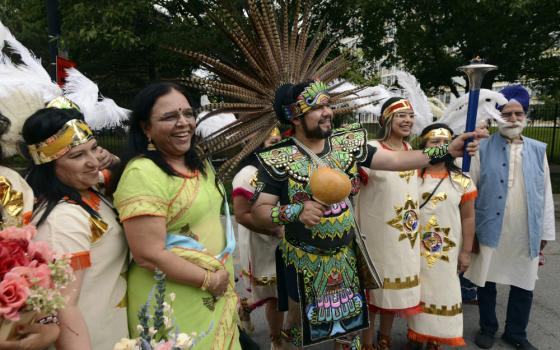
[(239, 191), (288, 133), (61, 65), (423, 338), (399, 312), (364, 177)]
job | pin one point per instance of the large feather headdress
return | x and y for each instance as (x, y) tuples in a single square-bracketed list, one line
[(27, 87), (278, 46)]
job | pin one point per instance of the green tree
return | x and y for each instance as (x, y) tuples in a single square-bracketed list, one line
[(432, 38)]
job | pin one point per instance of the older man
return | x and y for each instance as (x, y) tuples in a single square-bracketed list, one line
[(514, 220)]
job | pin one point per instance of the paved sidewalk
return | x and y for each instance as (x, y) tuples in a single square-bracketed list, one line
[(544, 326)]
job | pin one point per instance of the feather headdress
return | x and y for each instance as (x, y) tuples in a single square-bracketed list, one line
[(415, 95), (27, 87), (455, 115), (279, 47)]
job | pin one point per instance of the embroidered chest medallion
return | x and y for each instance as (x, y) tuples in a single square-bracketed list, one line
[(406, 221), (435, 242)]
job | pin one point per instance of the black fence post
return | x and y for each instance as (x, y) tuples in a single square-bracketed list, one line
[(554, 133)]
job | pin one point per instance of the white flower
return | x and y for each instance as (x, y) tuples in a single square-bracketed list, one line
[(172, 297), (167, 322), (139, 328), (184, 341), (125, 344), (166, 307), (152, 331)]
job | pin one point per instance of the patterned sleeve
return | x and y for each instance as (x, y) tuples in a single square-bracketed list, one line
[(470, 193), (142, 191), (67, 231), (244, 182)]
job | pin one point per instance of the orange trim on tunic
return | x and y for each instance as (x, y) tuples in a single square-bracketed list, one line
[(423, 338), (470, 196), (106, 177), (436, 174), (26, 217), (80, 260)]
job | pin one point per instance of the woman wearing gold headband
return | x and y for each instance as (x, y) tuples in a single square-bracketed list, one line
[(257, 249), (387, 212), (446, 237), (170, 202), (74, 218)]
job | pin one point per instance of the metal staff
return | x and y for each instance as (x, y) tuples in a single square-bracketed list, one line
[(475, 72)]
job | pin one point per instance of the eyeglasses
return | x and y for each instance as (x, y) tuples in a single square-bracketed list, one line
[(174, 116), (517, 114), (404, 114)]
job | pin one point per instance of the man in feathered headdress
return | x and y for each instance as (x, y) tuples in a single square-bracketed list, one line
[(286, 82), (514, 220)]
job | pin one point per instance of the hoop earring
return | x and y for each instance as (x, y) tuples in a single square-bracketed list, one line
[(151, 146)]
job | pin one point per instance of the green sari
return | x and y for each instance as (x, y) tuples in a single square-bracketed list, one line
[(191, 205)]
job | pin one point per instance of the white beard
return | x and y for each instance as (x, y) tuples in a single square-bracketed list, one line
[(510, 132)]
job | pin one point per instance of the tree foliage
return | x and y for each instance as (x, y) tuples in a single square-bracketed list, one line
[(432, 38)]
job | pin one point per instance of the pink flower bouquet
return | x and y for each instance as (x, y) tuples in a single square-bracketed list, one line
[(31, 278)]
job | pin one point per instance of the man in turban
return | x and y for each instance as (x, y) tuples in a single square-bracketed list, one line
[(514, 220)]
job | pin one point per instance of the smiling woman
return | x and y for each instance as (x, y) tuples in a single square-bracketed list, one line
[(74, 218), (169, 202)]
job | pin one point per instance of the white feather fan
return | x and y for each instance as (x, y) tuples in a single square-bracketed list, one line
[(210, 125), (455, 115), (100, 112), (413, 93)]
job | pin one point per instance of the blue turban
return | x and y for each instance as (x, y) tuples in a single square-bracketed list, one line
[(516, 93)]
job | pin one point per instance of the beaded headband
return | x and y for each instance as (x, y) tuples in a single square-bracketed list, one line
[(314, 95)]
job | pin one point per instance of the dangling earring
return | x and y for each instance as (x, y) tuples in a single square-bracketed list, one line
[(151, 146)]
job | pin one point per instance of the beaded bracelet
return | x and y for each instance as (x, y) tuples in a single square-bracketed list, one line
[(206, 282), (50, 319), (286, 214)]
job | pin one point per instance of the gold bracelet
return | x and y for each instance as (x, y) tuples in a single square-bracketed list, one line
[(206, 282)]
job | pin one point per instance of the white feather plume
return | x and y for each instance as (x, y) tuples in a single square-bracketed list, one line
[(455, 115), (100, 112), (24, 89), (210, 125), (413, 93)]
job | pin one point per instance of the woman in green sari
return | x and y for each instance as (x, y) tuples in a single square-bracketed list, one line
[(169, 203)]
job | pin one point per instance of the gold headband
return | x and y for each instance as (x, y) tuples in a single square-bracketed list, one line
[(74, 133), (438, 133), (275, 132)]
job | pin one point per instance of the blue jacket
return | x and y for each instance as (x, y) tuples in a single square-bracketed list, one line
[(493, 189)]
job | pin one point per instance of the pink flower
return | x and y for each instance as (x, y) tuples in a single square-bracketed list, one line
[(168, 345), (25, 232), (40, 251), (13, 252), (34, 275), (13, 295)]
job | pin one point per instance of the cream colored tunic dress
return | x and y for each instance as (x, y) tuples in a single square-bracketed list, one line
[(387, 212), (104, 256), (440, 239), (256, 250)]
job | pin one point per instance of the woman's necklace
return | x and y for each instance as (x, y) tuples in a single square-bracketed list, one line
[(392, 147)]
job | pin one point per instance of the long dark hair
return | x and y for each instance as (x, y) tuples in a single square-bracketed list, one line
[(47, 188), (138, 141), (450, 163)]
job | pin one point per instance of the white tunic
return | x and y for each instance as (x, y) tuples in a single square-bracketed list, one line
[(256, 250), (510, 263), (440, 243), (104, 256), (387, 214)]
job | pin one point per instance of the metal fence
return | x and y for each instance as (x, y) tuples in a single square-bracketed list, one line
[(543, 125)]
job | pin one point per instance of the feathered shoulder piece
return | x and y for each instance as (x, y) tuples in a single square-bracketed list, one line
[(278, 47)]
